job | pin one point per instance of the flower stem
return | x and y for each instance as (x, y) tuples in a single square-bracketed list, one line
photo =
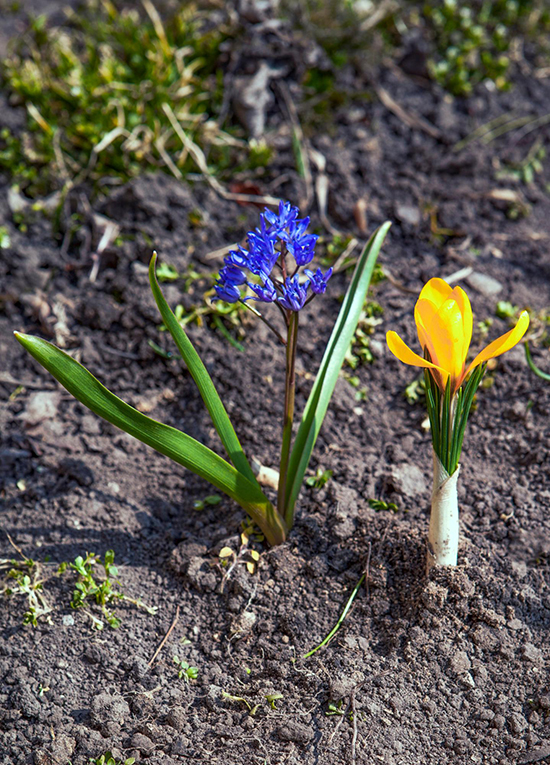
[(443, 533), (288, 417), (265, 321)]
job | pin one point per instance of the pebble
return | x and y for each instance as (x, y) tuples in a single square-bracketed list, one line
[(408, 480), (68, 620), (41, 406), (531, 652), (297, 732), (460, 662), (484, 284), (408, 214)]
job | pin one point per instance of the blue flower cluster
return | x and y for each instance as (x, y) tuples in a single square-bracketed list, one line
[(279, 234)]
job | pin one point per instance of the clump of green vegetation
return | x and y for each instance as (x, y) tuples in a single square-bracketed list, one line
[(24, 578), (473, 41), (320, 478), (110, 94), (90, 588), (525, 170), (185, 671), (108, 759), (380, 504), (359, 351)]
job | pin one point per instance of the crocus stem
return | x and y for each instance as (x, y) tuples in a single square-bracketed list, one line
[(288, 417), (443, 533)]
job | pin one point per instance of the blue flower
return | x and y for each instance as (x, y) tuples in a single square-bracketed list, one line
[(299, 243), (286, 217), (294, 294), (318, 280), (265, 294), (279, 237), (227, 292), (232, 275)]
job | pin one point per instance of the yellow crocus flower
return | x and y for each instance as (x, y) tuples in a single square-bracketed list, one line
[(443, 318)]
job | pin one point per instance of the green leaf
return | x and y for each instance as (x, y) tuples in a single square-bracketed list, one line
[(173, 443), (323, 387), (533, 367), (204, 383)]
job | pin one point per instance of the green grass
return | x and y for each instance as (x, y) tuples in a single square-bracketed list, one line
[(102, 95)]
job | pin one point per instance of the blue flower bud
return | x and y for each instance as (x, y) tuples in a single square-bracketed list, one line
[(294, 294), (318, 280)]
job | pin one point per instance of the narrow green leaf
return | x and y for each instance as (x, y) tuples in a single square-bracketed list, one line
[(446, 424), (173, 443), (323, 387), (467, 401), (204, 383), (532, 365), (453, 459)]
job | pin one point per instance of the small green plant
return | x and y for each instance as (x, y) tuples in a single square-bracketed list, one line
[(90, 588), (320, 479), (185, 671), (211, 500), (380, 504), (5, 241), (108, 759), (526, 170), (272, 698), (505, 310), (415, 390), (24, 578), (359, 351)]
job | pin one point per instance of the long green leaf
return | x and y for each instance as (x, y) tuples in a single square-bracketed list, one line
[(204, 383), (323, 387), (173, 443)]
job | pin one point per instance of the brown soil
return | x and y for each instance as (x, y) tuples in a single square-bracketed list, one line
[(446, 669)]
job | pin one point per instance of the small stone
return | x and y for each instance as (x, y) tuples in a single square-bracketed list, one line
[(68, 620), (408, 479), (177, 718), (41, 406), (143, 743), (460, 662), (297, 732), (409, 214), (531, 652), (515, 624), (484, 284), (517, 724)]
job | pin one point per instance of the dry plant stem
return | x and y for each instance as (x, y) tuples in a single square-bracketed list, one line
[(443, 533), (290, 390)]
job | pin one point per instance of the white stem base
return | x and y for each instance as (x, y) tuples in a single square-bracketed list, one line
[(443, 533)]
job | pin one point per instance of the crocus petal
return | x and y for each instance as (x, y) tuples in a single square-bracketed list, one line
[(463, 303), (402, 351), (502, 344), (442, 329), (437, 291)]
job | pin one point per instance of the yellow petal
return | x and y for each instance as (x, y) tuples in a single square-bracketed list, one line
[(436, 291), (503, 343), (463, 303), (443, 328), (404, 353)]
